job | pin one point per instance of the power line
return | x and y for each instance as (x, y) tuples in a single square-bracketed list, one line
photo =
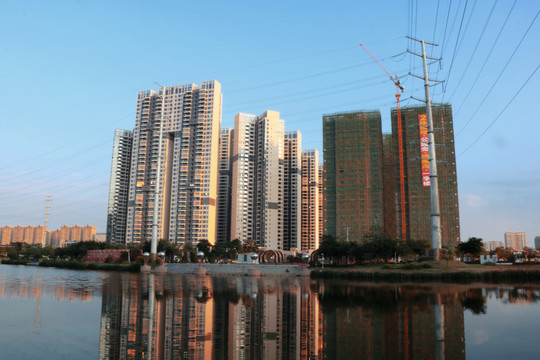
[(502, 111), (500, 74), (487, 57), (435, 26), (445, 27), (455, 47), (475, 49)]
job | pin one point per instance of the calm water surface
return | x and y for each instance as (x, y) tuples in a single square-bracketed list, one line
[(66, 314)]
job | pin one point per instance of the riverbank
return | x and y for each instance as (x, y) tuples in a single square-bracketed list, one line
[(434, 271), (429, 271), (240, 269), (77, 265)]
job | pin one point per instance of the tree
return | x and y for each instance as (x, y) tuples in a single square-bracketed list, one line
[(447, 254), (189, 252), (418, 247), (250, 246), (473, 246), (232, 248), (205, 247)]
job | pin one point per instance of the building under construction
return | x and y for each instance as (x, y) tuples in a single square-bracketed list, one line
[(353, 174), (417, 186)]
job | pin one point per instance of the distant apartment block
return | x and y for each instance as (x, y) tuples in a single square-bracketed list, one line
[(119, 186), (515, 240), (69, 234), (537, 243), (100, 237), (353, 177), (492, 245), (310, 200), (41, 236), (32, 235), (188, 179)]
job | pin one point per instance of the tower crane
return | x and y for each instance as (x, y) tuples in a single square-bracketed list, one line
[(399, 90)]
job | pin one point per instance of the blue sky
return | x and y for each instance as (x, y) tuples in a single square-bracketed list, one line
[(71, 71)]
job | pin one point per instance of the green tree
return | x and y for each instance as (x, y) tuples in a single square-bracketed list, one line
[(418, 247), (190, 253), (473, 246), (218, 251), (12, 253), (32, 253), (205, 247), (233, 248), (329, 247)]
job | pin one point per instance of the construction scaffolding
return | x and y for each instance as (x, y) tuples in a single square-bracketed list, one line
[(353, 174), (417, 192)]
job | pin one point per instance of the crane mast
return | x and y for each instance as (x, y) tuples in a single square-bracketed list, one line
[(399, 90)]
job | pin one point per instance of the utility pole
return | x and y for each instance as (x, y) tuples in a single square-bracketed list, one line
[(154, 241), (434, 183), (47, 211), (44, 236)]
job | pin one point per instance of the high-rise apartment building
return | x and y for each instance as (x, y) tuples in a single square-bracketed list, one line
[(416, 174), (521, 240), (537, 242), (119, 186), (492, 245), (321, 202), (353, 178), (515, 240), (224, 186), (292, 199), (257, 179), (310, 200), (510, 240), (186, 202)]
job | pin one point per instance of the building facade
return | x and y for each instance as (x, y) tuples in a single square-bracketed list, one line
[(292, 199), (187, 150), (257, 179), (353, 177), (310, 200), (119, 186), (224, 186), (416, 185), (515, 240), (31, 235), (321, 202)]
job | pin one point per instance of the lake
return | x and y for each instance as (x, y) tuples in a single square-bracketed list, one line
[(66, 314)]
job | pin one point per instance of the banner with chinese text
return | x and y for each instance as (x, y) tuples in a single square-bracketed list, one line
[(424, 149)]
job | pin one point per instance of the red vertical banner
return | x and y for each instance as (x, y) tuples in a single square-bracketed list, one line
[(424, 149)]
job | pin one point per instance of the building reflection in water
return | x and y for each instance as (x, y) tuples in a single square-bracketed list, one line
[(178, 317)]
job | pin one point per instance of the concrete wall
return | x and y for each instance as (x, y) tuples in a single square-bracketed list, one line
[(237, 269)]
